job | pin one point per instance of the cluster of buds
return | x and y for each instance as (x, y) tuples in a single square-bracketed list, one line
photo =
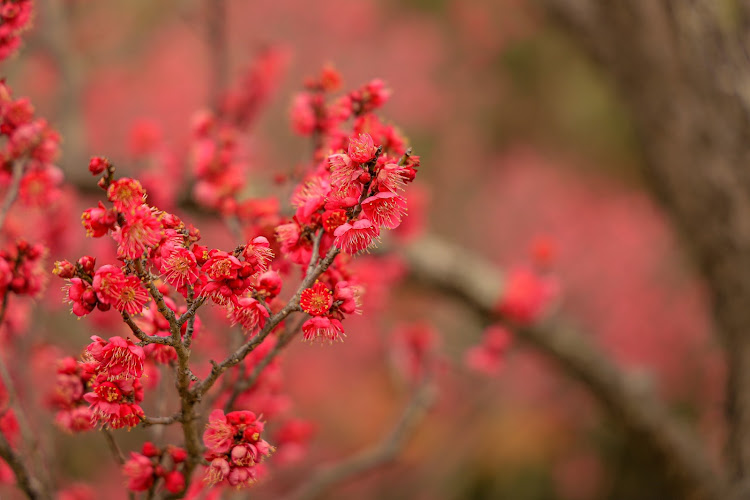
[(152, 241), (234, 448), (89, 288), (144, 469)]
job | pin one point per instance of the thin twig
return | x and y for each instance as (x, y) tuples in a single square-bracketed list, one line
[(314, 256), (12, 194), (14, 403), (191, 310), (25, 481), (142, 336), (383, 453), (291, 306), (149, 421), (244, 384), (148, 281), (113, 446)]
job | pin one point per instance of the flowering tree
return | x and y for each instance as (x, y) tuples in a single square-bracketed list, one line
[(197, 331), (353, 187)]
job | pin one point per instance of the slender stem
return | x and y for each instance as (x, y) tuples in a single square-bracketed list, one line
[(314, 256), (165, 311), (148, 421), (291, 306), (113, 446), (191, 311), (142, 336), (25, 481), (381, 454), (244, 384), (14, 402), (12, 194)]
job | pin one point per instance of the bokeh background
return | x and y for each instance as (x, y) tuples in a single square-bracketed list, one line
[(521, 138)]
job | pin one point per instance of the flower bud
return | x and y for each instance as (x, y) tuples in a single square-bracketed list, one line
[(64, 269), (98, 164)]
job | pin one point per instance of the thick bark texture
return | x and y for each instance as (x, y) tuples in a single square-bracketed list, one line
[(682, 67)]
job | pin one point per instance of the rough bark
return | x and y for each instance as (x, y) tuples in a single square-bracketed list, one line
[(683, 69)]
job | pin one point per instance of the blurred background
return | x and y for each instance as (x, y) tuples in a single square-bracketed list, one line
[(522, 140)]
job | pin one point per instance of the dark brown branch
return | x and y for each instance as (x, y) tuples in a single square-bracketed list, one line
[(454, 271)]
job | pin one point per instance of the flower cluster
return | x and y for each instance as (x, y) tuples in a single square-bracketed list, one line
[(225, 278), (107, 286), (29, 144), (15, 16), (145, 468), (21, 270), (21, 273), (234, 448), (114, 368), (71, 382), (355, 187)]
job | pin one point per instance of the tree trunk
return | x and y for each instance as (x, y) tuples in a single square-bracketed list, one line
[(683, 69)]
